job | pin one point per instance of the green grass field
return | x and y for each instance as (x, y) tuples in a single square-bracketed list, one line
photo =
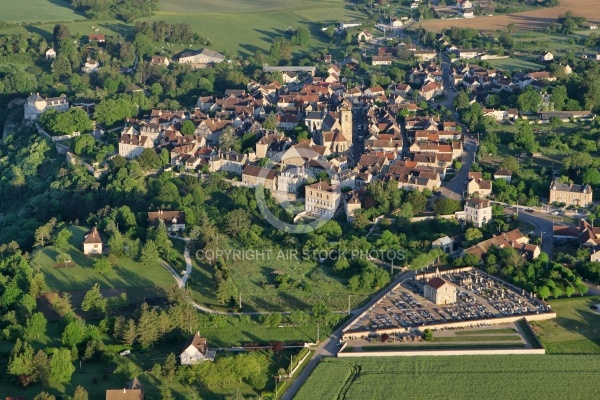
[(241, 26), (79, 27), (256, 281), (476, 338), (485, 332), (81, 276), (444, 346), (234, 332), (460, 377), (35, 11), (575, 330), (246, 26), (516, 64)]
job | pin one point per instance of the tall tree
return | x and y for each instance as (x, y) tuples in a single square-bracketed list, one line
[(93, 300), (21, 362), (130, 332), (150, 255), (102, 265), (270, 122), (148, 326), (115, 244), (36, 325), (188, 127), (74, 333), (62, 238), (80, 393), (61, 366)]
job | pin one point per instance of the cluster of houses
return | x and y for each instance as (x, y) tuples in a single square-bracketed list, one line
[(515, 239), (94, 42), (585, 234), (415, 154)]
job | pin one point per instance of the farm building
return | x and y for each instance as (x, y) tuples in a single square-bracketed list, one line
[(201, 58)]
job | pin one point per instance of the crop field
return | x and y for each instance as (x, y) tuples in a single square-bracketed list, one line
[(474, 377), (32, 11), (532, 20), (575, 330), (246, 26)]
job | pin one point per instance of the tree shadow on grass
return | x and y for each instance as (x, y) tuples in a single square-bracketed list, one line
[(119, 27), (586, 327), (251, 50), (42, 32), (65, 4), (272, 34)]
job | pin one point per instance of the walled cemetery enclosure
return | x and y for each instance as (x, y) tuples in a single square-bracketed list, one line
[(482, 300)]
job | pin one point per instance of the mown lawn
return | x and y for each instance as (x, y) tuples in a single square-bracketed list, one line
[(460, 377), (477, 338), (485, 332), (81, 275), (516, 64), (233, 332), (575, 330)]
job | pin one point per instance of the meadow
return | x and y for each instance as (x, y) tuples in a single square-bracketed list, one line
[(81, 275), (575, 330), (35, 11), (515, 64), (246, 26), (240, 26), (476, 377), (256, 282)]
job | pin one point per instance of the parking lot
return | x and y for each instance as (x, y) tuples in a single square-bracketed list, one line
[(479, 297)]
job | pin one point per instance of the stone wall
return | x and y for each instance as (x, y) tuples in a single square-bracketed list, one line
[(492, 321), (422, 353)]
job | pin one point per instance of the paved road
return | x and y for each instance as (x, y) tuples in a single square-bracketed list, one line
[(543, 224), (329, 347), (456, 187)]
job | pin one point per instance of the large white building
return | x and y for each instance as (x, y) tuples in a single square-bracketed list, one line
[(478, 211), (132, 143), (201, 58), (196, 351), (291, 178), (322, 199), (36, 105)]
